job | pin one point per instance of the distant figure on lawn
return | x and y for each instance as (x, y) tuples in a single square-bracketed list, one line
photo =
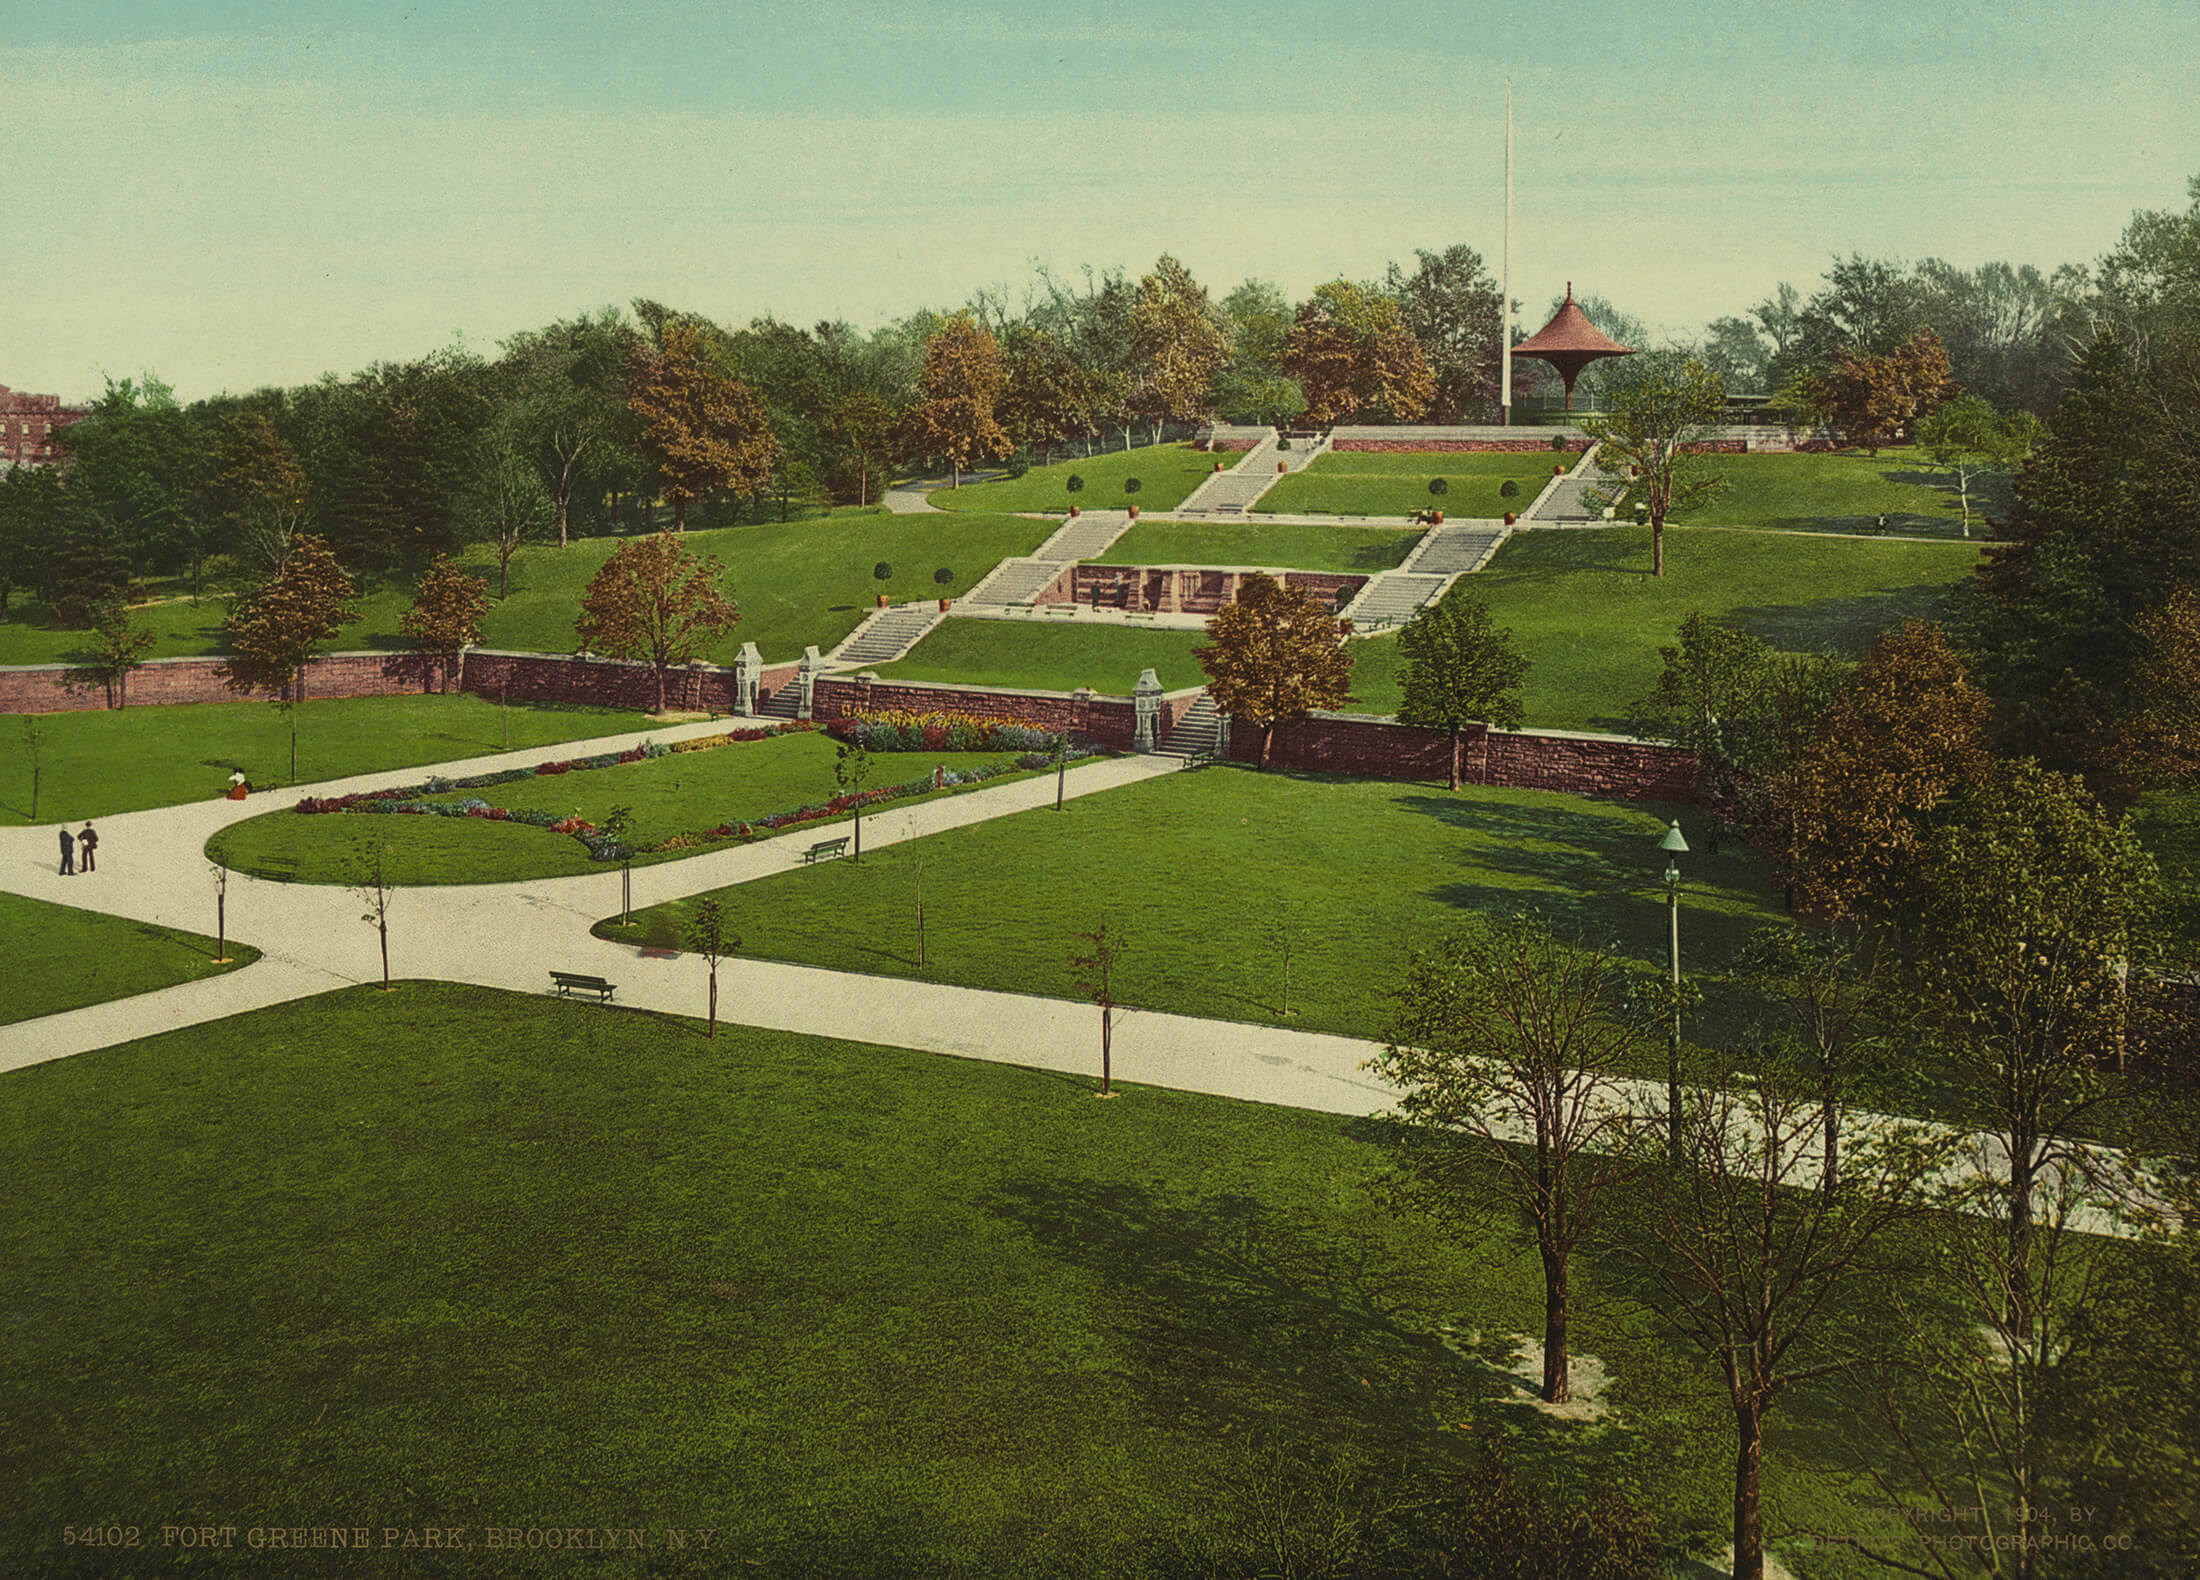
[(68, 854), (88, 843), (238, 785)]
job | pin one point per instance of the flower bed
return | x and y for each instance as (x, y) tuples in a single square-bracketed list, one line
[(899, 730), (406, 802), (504, 776)]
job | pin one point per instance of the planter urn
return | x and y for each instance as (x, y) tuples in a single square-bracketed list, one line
[(944, 602), (1509, 518), (882, 600), (1134, 512), (1073, 510)]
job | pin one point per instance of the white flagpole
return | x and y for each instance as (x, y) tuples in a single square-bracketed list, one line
[(1505, 315)]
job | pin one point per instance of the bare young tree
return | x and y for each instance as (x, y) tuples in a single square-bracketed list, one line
[(1096, 967), (376, 891), (706, 935), (1745, 1256), (1508, 1050)]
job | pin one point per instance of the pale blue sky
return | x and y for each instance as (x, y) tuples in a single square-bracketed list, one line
[(240, 194)]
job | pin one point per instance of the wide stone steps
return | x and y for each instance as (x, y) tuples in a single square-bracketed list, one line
[(1014, 582), (785, 703), (888, 634), (1083, 537), (1392, 599), (1198, 733), (1450, 551)]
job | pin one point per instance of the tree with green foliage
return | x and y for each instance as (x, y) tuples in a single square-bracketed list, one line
[(860, 426), (263, 492), (1509, 1050), (1967, 437), (1822, 984), (1653, 438), (2034, 910), (509, 509), (654, 601), (568, 400), (89, 575), (1744, 1263), (117, 652), (1451, 308), (445, 618), (1179, 343), (284, 623), (963, 380), (1274, 655), (1459, 671)]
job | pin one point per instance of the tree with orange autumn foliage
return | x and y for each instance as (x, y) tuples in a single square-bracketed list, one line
[(1351, 352), (963, 379), (656, 602), (1909, 729), (1274, 655), (446, 615), (703, 427)]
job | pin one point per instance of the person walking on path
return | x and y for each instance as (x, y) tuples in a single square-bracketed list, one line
[(68, 854), (88, 842)]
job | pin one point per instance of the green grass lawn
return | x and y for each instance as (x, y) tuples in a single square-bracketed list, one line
[(1199, 868), (1281, 545), (95, 764), (454, 1257), (684, 793), (1584, 608), (1846, 492), (1050, 656), (796, 584), (1360, 483), (1166, 473), (61, 958)]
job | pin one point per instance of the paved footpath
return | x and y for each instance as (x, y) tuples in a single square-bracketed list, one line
[(509, 935)]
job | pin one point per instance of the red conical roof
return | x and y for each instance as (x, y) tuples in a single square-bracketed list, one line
[(1570, 333)]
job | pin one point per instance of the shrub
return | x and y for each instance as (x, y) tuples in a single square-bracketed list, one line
[(943, 577), (1438, 487), (1508, 489), (882, 572), (1558, 441), (1075, 484), (1131, 485)]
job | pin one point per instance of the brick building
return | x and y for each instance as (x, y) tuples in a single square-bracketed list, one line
[(28, 424)]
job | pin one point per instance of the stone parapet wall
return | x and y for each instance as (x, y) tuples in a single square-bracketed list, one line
[(518, 677), (1456, 446), (1365, 746)]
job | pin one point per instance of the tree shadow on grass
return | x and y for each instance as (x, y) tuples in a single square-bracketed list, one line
[(1235, 1316), (1844, 627)]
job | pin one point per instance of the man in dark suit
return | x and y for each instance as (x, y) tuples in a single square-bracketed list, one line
[(68, 854), (87, 842)]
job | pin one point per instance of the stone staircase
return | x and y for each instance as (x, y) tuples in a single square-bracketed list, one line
[(1015, 582), (1565, 504), (1392, 599), (785, 703), (1456, 550), (1232, 493), (1198, 733), (887, 635)]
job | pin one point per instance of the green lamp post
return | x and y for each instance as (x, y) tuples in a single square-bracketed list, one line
[(1675, 847)]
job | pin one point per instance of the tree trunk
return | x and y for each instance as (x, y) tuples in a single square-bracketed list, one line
[(1749, 1527), (383, 927), (711, 1026), (1657, 545), (1455, 759), (1267, 734), (1107, 1046), (2023, 1176), (1557, 1382), (680, 514), (1830, 1177), (660, 688), (565, 492)]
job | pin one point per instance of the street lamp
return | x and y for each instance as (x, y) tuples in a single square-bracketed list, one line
[(1675, 847)]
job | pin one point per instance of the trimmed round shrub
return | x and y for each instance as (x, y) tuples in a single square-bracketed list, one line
[(1558, 441), (943, 577), (1075, 484), (1283, 444), (882, 572), (1132, 485), (1508, 489), (1438, 487)]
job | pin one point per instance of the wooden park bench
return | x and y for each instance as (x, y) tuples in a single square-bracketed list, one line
[(1058, 608), (826, 850), (567, 983)]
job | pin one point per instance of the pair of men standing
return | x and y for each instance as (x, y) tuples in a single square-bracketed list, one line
[(86, 844)]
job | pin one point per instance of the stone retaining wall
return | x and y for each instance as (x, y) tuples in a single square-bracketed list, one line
[(1455, 446), (519, 677), (1369, 747)]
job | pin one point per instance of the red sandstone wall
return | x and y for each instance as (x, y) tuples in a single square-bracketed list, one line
[(1379, 749), (521, 677), (1195, 591), (1430, 446)]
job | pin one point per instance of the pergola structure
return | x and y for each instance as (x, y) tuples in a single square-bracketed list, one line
[(1569, 343)]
